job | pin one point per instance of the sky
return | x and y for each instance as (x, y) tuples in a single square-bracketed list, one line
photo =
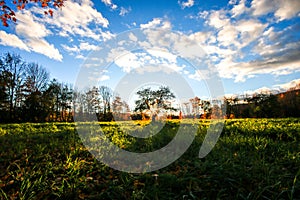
[(252, 46)]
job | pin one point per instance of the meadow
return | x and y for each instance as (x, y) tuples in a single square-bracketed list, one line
[(253, 159)]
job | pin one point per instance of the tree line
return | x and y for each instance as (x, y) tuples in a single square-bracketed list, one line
[(28, 94), (281, 105)]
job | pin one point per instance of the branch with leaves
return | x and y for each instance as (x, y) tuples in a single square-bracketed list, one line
[(7, 13)]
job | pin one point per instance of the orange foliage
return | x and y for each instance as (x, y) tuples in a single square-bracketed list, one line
[(8, 14)]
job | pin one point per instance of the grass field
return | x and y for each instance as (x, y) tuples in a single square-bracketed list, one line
[(253, 159)]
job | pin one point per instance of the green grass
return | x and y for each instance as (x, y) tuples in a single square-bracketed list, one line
[(253, 159)]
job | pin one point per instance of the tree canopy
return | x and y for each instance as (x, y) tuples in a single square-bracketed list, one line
[(154, 101)]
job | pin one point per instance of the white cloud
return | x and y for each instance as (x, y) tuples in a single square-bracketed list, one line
[(28, 27), (263, 7), (262, 90), (228, 36), (200, 75), (287, 9), (71, 49), (12, 40), (43, 47), (110, 4), (77, 20), (249, 30), (80, 19), (33, 33), (293, 84), (104, 78), (79, 56), (240, 71), (282, 9), (128, 62), (78, 50), (202, 37), (157, 53), (218, 19), (156, 23), (124, 11), (239, 9), (84, 46), (286, 86), (159, 68), (242, 47), (188, 3), (133, 37)]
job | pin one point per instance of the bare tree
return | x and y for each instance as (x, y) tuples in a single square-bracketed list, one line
[(37, 78), (36, 82), (106, 95), (12, 69)]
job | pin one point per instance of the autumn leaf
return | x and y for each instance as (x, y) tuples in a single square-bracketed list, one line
[(50, 12)]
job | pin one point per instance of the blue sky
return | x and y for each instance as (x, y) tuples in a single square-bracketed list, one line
[(252, 45)]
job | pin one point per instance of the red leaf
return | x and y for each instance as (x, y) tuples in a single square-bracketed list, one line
[(4, 22), (51, 12)]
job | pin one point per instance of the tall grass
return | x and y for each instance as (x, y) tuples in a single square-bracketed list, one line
[(253, 159)]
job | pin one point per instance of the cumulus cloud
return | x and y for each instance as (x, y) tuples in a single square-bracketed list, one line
[(240, 71), (78, 21), (239, 8), (33, 33), (163, 55), (188, 3), (110, 4), (263, 7), (217, 19), (282, 10), (78, 18), (286, 86), (157, 23), (43, 47), (83, 46), (243, 47), (261, 90), (27, 22), (249, 31), (124, 11), (293, 84), (12, 40)]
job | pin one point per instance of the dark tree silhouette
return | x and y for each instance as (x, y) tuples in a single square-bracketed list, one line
[(12, 70), (36, 82)]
